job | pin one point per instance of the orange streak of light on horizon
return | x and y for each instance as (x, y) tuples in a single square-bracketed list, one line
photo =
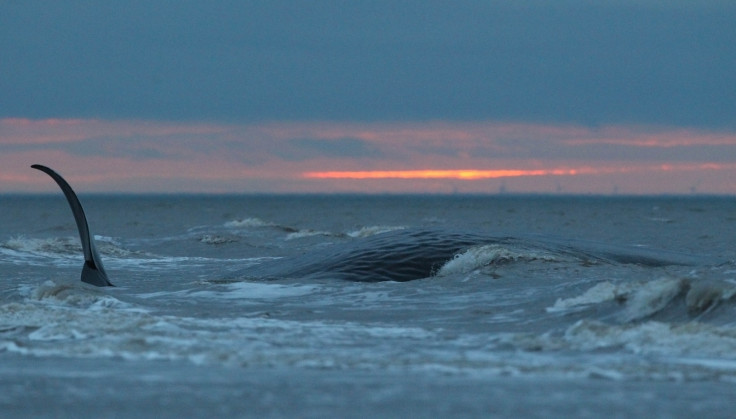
[(443, 174), (472, 174)]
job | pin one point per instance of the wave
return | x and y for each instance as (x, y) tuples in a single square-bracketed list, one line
[(248, 223), (655, 338), (301, 234), (479, 257), (405, 255), (56, 245), (355, 234), (643, 300), (373, 230), (81, 322), (257, 223), (76, 295), (216, 239)]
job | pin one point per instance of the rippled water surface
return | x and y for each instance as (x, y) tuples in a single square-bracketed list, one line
[(351, 306)]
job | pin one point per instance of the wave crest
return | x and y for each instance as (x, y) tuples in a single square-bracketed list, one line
[(478, 257)]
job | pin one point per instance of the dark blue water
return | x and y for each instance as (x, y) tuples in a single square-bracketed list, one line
[(365, 305)]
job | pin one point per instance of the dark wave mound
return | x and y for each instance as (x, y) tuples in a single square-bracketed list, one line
[(406, 255)]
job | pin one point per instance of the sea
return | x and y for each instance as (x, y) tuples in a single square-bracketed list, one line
[(347, 306)]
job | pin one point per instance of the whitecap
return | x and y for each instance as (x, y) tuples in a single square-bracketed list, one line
[(652, 337), (255, 290), (651, 297), (307, 233), (491, 254), (216, 239), (372, 231), (600, 293), (248, 222), (642, 299), (76, 295), (64, 246)]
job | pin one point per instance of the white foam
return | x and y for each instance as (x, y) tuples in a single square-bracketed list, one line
[(652, 337), (360, 233), (256, 290), (248, 222), (600, 293), (55, 326), (52, 333), (77, 295), (47, 328), (307, 233), (170, 263), (491, 254), (216, 239), (373, 230), (56, 245), (642, 299), (65, 247)]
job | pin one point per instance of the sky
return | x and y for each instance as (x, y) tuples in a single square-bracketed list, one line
[(589, 97)]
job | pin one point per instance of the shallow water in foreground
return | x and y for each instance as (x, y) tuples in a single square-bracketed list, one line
[(239, 306)]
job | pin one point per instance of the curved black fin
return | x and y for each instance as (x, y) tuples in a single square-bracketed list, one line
[(93, 272)]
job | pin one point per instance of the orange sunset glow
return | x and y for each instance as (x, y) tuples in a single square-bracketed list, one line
[(441, 174), (402, 157)]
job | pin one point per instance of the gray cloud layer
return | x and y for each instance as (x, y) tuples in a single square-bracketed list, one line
[(581, 61)]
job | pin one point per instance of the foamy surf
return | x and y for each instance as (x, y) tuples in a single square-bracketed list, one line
[(259, 309), (249, 222), (484, 256), (644, 299)]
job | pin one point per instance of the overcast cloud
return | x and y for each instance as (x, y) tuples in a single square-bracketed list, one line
[(589, 62), (579, 96)]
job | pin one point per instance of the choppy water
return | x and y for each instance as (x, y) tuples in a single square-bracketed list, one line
[(268, 306)]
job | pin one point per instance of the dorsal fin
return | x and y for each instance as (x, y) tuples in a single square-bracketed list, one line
[(92, 272)]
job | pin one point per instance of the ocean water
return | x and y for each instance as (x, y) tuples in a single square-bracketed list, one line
[(359, 306)]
